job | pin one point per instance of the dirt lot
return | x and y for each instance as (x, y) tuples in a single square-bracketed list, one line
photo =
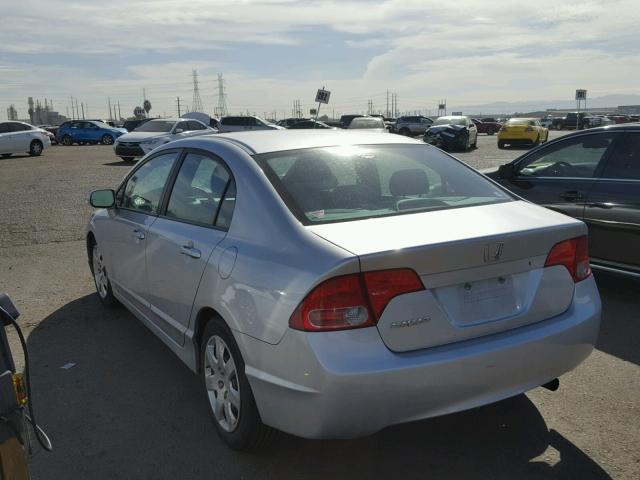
[(129, 409)]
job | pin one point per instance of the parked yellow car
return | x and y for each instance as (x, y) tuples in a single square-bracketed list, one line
[(522, 131)]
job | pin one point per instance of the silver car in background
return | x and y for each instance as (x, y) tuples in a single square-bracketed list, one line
[(332, 283)]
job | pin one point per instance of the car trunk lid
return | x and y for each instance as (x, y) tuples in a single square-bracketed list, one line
[(482, 268)]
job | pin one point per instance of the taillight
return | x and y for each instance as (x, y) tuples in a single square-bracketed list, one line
[(352, 301), (574, 255)]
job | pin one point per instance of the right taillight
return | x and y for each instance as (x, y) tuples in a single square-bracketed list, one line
[(574, 255), (352, 301)]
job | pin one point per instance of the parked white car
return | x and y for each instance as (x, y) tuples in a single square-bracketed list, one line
[(247, 123), (20, 137), (157, 132)]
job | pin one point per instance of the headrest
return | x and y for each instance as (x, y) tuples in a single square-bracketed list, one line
[(412, 181)]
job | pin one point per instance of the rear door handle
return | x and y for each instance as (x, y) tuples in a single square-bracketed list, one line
[(190, 251), (572, 195), (139, 234)]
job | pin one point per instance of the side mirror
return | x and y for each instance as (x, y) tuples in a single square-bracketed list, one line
[(506, 171), (102, 198), (179, 130)]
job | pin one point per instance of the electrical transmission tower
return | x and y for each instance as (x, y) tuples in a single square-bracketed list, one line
[(221, 111), (196, 104)]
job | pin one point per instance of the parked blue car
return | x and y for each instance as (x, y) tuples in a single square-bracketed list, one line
[(87, 131)]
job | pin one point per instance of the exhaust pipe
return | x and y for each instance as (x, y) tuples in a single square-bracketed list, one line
[(553, 385)]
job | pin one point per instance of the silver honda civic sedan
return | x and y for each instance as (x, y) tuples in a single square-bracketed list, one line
[(332, 283)]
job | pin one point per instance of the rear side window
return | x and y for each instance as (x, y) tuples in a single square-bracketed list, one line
[(195, 125), (18, 127), (332, 184), (624, 163), (4, 127), (198, 190), (233, 121), (143, 190)]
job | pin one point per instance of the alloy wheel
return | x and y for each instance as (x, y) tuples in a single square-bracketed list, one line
[(100, 273), (223, 385)]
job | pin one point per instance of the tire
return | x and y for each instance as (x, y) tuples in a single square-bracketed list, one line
[(536, 142), (101, 279), (107, 139), (6, 155), (475, 142), (35, 148), (67, 140), (405, 131), (464, 143), (240, 427), (127, 159), (490, 131), (501, 145)]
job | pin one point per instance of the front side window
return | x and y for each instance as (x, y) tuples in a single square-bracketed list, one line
[(624, 163), (4, 127), (577, 157), (143, 190), (332, 184), (198, 190)]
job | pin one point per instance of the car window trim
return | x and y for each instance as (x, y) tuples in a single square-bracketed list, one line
[(138, 167), (596, 173), (171, 180), (621, 138)]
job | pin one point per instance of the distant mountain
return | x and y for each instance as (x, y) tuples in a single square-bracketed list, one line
[(536, 105)]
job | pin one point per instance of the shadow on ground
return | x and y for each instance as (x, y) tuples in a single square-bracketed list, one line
[(620, 326), (130, 409), (121, 163)]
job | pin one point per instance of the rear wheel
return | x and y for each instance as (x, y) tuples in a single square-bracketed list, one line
[(405, 131), (490, 131), (107, 139), (231, 402), (67, 140), (127, 159), (6, 155), (35, 148), (536, 141), (501, 144)]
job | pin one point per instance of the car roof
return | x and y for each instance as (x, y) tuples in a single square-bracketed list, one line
[(265, 141)]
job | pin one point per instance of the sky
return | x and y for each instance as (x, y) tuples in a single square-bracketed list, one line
[(272, 52)]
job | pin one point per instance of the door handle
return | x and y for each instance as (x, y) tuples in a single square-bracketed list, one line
[(139, 234), (190, 251), (571, 195)]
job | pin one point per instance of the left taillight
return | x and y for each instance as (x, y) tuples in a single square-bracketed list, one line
[(352, 301), (573, 254)]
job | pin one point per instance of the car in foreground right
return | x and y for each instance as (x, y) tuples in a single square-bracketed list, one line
[(332, 283), (594, 176)]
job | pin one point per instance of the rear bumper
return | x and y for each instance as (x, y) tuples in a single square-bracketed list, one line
[(348, 384)]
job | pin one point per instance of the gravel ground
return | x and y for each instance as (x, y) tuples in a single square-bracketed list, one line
[(129, 409)]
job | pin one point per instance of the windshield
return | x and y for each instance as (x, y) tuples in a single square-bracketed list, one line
[(156, 126), (369, 122), (332, 184), (450, 121)]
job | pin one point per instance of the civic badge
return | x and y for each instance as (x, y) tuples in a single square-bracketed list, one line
[(493, 252)]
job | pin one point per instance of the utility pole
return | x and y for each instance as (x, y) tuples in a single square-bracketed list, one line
[(73, 117), (109, 102), (82, 105), (179, 113), (387, 114), (119, 114)]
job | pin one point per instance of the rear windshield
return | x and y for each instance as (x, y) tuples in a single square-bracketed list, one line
[(333, 184), (156, 126), (370, 122), (520, 121)]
